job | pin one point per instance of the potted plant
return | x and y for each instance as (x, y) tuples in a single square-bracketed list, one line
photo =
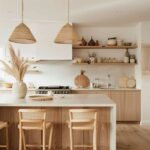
[(17, 68)]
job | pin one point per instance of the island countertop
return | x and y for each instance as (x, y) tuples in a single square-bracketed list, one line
[(67, 100), (57, 112)]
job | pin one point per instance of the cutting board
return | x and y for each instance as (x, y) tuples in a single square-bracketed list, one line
[(41, 97)]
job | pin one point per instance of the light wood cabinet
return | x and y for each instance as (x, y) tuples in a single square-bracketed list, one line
[(118, 98), (128, 105), (132, 104), (128, 102)]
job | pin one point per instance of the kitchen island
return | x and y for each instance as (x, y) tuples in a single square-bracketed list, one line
[(57, 112)]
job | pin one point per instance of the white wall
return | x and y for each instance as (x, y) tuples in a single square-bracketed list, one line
[(145, 39), (63, 72)]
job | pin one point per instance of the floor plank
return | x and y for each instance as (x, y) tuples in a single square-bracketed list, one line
[(133, 137)]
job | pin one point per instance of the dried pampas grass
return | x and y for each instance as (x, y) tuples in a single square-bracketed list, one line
[(18, 66)]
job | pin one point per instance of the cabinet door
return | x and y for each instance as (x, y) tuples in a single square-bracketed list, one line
[(46, 48), (132, 106), (119, 98), (128, 105)]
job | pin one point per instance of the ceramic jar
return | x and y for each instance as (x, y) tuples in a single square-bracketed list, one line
[(112, 41), (126, 59), (119, 42), (19, 89), (132, 59)]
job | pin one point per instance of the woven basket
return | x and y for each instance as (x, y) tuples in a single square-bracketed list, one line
[(22, 34), (67, 35)]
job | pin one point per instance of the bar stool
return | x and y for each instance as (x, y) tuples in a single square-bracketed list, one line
[(34, 119), (4, 125), (84, 120)]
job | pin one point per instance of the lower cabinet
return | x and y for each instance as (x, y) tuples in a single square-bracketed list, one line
[(132, 106), (128, 102), (118, 98)]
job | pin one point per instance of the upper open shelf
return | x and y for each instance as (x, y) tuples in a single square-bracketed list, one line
[(104, 47)]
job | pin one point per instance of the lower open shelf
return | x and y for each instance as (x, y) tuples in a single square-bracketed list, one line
[(123, 64)]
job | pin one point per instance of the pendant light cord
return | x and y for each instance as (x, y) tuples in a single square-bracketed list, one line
[(68, 10), (22, 10)]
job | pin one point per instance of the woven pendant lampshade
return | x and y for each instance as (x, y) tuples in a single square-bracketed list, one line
[(22, 34), (67, 34)]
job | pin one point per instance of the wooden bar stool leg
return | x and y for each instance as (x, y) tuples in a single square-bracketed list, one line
[(50, 137), (20, 138), (44, 138), (71, 139), (7, 139), (23, 138), (94, 140)]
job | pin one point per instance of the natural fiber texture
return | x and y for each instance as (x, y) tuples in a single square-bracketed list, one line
[(82, 81), (18, 66), (67, 35), (22, 35)]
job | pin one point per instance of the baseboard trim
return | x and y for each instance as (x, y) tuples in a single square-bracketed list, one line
[(128, 122)]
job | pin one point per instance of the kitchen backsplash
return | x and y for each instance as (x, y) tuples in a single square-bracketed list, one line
[(63, 73)]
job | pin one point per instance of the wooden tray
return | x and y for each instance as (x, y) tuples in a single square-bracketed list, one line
[(40, 97)]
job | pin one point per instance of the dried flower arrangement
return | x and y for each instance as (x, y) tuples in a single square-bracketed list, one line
[(18, 65)]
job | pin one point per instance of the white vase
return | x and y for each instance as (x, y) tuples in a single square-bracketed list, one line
[(19, 89)]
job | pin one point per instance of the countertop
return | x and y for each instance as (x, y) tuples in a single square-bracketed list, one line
[(68, 100), (82, 89), (9, 89), (105, 89)]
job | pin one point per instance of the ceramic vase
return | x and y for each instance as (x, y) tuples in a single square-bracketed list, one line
[(19, 89)]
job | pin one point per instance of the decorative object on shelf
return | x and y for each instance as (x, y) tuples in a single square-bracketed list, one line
[(91, 42), (33, 69), (127, 44), (119, 42), (17, 69), (78, 60), (83, 42), (123, 81), (67, 34), (127, 82), (92, 58), (82, 81), (7, 85), (132, 59), (131, 83), (127, 56), (112, 41), (22, 34), (104, 47), (126, 59), (97, 43)]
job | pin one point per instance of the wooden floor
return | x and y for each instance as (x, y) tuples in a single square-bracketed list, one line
[(133, 137)]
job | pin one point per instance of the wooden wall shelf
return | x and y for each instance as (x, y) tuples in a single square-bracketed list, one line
[(123, 64), (104, 47)]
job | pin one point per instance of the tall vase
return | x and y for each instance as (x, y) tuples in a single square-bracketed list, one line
[(19, 89)]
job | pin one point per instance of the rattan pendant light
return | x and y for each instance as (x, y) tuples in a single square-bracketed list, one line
[(67, 34), (22, 34)]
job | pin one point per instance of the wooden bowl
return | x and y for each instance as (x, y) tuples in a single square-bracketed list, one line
[(7, 85)]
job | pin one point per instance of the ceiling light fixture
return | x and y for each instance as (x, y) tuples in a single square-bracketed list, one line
[(67, 34), (22, 34)]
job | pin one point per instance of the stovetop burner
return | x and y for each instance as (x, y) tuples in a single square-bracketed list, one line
[(55, 89)]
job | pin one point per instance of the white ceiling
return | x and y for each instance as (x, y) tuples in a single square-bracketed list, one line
[(83, 12)]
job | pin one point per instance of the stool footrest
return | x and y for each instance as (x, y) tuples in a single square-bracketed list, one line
[(34, 145), (3, 146), (83, 146)]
